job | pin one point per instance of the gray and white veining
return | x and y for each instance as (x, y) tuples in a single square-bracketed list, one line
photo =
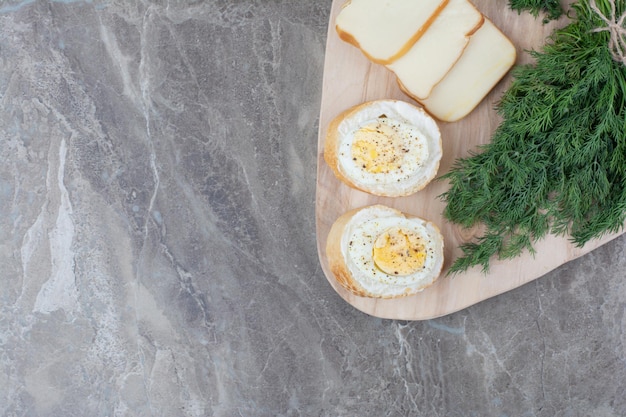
[(157, 239)]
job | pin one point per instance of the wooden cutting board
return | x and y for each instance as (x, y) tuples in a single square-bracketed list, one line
[(350, 79)]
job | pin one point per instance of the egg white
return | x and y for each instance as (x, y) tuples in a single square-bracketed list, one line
[(357, 245), (420, 143)]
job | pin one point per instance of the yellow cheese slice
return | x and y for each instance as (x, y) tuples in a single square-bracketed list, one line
[(487, 58), (385, 29), (434, 54)]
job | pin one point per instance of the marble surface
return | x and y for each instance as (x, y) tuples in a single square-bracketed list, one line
[(157, 239)]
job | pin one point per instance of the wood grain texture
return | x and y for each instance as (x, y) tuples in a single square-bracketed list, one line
[(350, 79)]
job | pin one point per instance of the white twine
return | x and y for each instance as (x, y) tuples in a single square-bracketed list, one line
[(615, 26)]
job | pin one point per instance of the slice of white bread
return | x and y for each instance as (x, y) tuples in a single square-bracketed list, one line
[(355, 237), (488, 56), (384, 30), (433, 55)]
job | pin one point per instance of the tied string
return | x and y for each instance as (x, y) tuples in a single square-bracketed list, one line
[(615, 26)]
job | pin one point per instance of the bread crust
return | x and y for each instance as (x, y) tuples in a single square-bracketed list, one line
[(331, 144), (336, 261)]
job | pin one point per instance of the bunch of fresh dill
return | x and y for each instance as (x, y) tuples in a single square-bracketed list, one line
[(551, 8), (557, 162)]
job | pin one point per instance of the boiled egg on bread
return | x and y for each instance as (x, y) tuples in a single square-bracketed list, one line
[(384, 147), (378, 251)]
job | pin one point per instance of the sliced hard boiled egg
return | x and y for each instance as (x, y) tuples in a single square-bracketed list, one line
[(380, 252), (384, 147)]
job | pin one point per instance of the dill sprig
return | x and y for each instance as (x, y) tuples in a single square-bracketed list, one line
[(557, 162), (551, 8)]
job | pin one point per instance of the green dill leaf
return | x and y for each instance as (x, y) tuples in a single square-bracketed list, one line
[(557, 162), (552, 8)]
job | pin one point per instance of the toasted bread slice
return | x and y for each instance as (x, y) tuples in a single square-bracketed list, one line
[(403, 144), (351, 252)]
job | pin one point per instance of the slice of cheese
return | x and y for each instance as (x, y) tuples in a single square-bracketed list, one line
[(434, 54), (384, 30), (487, 58)]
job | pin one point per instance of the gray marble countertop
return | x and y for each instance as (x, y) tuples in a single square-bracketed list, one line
[(157, 239)]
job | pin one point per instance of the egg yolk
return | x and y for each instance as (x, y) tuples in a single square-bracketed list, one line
[(399, 252), (376, 148)]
